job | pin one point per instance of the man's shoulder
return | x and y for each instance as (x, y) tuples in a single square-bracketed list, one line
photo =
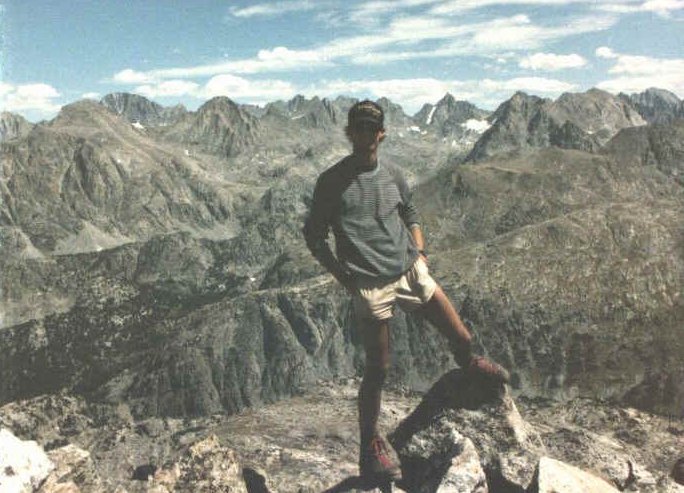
[(335, 172), (395, 171)]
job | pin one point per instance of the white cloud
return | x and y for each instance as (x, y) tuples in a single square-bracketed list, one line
[(642, 65), (37, 97), (130, 76), (605, 52), (661, 7), (168, 88), (90, 95), (5, 88), (551, 61), (485, 38), (273, 8), (637, 73), (461, 6), (245, 90), (274, 60), (403, 38), (535, 85)]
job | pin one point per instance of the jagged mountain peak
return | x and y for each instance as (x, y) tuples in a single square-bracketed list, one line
[(89, 115), (595, 111), (314, 112), (13, 126), (119, 102), (583, 121), (664, 94), (219, 104), (220, 126), (656, 105), (138, 109)]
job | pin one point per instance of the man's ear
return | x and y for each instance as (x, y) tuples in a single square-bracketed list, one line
[(382, 135)]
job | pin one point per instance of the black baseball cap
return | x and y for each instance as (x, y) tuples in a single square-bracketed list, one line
[(366, 112)]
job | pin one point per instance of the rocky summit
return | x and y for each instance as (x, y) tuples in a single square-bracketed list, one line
[(583, 121), (161, 318)]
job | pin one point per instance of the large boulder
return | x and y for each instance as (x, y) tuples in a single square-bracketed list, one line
[(557, 477), (24, 465), (459, 410)]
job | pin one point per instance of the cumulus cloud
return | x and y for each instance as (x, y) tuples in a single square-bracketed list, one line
[(37, 97), (168, 88), (605, 52), (551, 61), (251, 91), (130, 76), (637, 73), (90, 95)]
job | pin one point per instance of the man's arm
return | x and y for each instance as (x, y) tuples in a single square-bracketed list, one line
[(419, 239), (316, 230), (409, 214)]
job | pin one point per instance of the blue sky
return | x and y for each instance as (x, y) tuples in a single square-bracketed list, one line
[(412, 51)]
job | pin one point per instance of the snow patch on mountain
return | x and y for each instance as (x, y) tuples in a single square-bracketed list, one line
[(428, 121), (476, 125)]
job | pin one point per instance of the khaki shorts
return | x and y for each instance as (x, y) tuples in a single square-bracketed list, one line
[(412, 290)]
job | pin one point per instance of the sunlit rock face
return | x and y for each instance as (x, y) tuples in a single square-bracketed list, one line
[(657, 105), (583, 121)]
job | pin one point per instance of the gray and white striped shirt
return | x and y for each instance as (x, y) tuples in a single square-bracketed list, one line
[(370, 212)]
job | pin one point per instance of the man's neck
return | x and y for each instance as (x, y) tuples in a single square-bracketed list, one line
[(366, 160)]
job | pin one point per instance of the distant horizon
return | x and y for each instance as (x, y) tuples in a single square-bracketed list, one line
[(263, 105), (410, 51)]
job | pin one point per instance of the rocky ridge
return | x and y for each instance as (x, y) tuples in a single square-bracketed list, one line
[(13, 126), (657, 105), (141, 111), (583, 121), (201, 299), (461, 436)]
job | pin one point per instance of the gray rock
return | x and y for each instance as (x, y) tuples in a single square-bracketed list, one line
[(140, 110), (448, 116), (583, 121), (657, 105), (13, 126), (219, 126), (23, 464), (457, 406), (556, 477), (74, 470)]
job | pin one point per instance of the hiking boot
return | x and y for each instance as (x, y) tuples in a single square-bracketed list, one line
[(376, 462), (483, 367)]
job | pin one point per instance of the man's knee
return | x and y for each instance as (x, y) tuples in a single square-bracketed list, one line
[(375, 373)]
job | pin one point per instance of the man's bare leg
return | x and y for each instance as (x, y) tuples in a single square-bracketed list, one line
[(376, 344), (375, 461), (441, 313)]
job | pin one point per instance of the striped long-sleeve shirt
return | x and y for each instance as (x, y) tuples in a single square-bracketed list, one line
[(370, 213)]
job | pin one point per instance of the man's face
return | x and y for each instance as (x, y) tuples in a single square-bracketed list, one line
[(366, 136)]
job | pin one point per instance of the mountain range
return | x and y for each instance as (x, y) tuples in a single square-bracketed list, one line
[(153, 256)]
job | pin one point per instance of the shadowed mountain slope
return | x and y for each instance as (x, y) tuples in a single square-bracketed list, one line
[(560, 258)]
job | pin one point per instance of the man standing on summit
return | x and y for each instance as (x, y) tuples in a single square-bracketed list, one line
[(380, 260)]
